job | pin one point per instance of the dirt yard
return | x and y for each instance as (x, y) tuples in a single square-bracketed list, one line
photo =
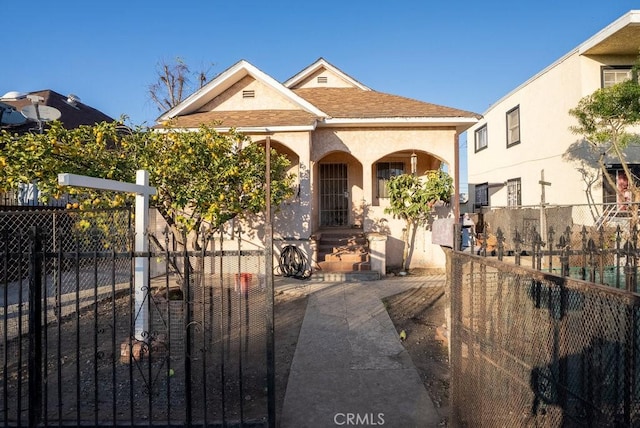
[(420, 313)]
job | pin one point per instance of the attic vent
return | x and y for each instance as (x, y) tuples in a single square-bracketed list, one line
[(248, 94), (322, 79)]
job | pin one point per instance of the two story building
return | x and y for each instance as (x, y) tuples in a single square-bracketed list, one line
[(523, 152)]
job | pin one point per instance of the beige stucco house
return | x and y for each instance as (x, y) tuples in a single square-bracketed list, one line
[(526, 133), (344, 140)]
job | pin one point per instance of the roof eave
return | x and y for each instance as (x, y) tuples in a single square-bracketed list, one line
[(399, 121)]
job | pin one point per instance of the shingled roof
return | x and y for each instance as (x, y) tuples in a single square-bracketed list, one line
[(71, 116), (356, 103), (246, 118)]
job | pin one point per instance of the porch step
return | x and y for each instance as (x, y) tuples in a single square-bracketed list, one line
[(343, 255), (329, 266), (321, 276)]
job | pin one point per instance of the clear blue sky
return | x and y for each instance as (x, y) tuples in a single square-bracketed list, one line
[(457, 53)]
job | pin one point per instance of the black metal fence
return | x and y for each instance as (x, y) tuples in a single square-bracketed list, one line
[(532, 348), (70, 355), (605, 255)]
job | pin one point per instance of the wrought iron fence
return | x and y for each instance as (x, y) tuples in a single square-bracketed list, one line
[(574, 241), (531, 348), (69, 353)]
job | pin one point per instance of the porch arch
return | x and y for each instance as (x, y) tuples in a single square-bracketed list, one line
[(398, 162), (337, 195)]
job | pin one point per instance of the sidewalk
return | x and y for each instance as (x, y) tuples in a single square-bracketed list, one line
[(349, 367)]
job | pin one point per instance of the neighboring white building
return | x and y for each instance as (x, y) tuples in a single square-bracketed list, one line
[(527, 131)]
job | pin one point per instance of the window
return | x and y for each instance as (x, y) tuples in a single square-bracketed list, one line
[(514, 197), (617, 174), (613, 75), (513, 126), (385, 171), (481, 138), (482, 195)]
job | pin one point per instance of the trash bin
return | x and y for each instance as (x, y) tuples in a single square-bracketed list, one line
[(468, 232)]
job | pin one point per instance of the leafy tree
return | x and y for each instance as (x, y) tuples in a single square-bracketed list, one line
[(413, 199), (174, 81), (603, 120), (203, 178)]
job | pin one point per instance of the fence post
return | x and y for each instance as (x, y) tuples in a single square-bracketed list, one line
[(550, 235), (500, 239), (564, 256), (517, 241), (187, 299), (35, 328), (630, 268)]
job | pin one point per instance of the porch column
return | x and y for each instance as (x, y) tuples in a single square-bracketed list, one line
[(367, 191), (378, 252)]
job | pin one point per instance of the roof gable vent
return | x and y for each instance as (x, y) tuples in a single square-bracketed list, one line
[(249, 94), (322, 79)]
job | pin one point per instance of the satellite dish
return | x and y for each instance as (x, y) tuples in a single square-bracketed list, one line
[(9, 115), (41, 113)]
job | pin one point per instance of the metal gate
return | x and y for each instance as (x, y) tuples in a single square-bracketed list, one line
[(69, 354), (334, 195)]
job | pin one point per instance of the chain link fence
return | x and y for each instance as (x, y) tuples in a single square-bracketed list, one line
[(529, 348)]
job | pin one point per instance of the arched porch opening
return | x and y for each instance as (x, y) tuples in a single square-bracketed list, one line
[(397, 163), (338, 193)]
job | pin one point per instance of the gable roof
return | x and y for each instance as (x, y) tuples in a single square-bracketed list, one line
[(343, 102), (318, 65), (71, 116), (224, 81)]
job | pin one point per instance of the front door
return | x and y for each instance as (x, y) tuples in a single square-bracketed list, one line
[(334, 195)]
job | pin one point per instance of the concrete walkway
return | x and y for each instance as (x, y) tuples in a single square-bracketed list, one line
[(349, 368)]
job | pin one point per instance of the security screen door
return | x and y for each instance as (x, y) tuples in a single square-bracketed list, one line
[(334, 195)]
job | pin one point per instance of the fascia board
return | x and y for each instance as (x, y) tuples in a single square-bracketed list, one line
[(246, 129), (398, 121)]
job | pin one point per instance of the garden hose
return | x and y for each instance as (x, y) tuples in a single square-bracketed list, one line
[(293, 263)]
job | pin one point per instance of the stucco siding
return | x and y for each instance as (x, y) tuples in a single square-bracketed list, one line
[(266, 98)]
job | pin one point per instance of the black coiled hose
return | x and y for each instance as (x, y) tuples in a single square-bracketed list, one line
[(293, 263)]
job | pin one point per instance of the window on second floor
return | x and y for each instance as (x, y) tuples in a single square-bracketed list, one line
[(481, 141), (385, 171), (514, 192), (612, 75), (513, 126)]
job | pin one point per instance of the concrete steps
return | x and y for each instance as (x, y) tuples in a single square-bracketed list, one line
[(343, 255)]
